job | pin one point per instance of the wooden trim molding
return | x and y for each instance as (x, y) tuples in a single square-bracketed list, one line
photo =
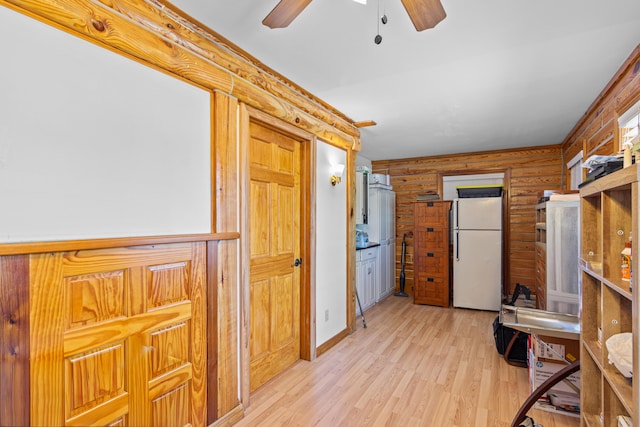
[(245, 307), (204, 58), (324, 347), (308, 246), (74, 245), (350, 293), (212, 332)]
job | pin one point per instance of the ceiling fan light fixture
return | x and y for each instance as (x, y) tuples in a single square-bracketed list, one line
[(284, 13), (424, 14)]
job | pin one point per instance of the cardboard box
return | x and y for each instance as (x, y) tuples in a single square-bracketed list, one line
[(545, 359), (555, 350)]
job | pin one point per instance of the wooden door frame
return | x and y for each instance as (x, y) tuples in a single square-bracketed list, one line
[(307, 238)]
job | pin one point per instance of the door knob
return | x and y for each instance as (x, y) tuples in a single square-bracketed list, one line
[(297, 262)]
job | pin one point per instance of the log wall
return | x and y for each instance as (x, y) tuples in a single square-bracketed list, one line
[(527, 172), (597, 131)]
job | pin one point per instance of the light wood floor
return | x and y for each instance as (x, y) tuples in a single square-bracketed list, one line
[(413, 365)]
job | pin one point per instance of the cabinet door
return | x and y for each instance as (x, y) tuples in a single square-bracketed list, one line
[(359, 286), (369, 283), (432, 214), (386, 274), (381, 285), (119, 336), (391, 206), (391, 262), (431, 290)]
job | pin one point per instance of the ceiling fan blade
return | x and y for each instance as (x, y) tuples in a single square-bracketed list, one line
[(284, 13), (424, 14)]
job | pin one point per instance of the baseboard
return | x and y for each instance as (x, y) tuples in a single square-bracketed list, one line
[(332, 342), (230, 418)]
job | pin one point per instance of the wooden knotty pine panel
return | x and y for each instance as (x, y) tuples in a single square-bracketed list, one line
[(531, 170), (14, 341), (595, 132)]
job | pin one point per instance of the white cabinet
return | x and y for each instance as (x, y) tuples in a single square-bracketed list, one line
[(382, 229), (366, 277), (382, 213), (387, 271)]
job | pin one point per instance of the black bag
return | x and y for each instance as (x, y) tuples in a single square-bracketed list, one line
[(516, 354), (510, 343)]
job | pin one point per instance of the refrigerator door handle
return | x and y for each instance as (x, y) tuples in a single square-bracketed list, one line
[(457, 215), (457, 245)]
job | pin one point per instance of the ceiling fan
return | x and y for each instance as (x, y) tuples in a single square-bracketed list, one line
[(424, 14)]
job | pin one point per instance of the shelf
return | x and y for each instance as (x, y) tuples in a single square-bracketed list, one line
[(609, 217), (621, 387), (618, 285), (595, 350), (591, 420), (618, 383), (621, 178)]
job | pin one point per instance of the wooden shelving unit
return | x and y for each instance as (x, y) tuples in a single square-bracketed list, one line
[(609, 214)]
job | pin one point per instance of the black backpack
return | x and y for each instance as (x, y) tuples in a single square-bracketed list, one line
[(511, 343)]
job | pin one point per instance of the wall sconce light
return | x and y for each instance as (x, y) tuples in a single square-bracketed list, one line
[(336, 174)]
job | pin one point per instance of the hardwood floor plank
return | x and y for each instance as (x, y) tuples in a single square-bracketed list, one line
[(413, 365)]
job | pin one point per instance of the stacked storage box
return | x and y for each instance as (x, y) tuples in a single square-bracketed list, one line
[(548, 355)]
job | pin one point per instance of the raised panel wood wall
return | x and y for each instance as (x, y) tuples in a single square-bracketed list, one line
[(527, 172), (118, 336)]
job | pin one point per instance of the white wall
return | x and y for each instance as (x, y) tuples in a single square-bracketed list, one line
[(94, 144), (362, 161), (449, 183), (331, 245)]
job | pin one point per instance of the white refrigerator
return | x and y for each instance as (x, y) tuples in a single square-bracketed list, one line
[(477, 253)]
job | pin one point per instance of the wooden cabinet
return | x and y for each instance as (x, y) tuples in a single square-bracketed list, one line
[(366, 277), (431, 253), (609, 211), (557, 248)]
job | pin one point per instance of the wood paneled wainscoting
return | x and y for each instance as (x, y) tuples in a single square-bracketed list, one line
[(528, 171), (113, 335)]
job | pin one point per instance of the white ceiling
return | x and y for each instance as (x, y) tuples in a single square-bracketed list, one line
[(494, 74)]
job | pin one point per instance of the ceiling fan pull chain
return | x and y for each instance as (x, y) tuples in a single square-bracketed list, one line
[(383, 18), (378, 38)]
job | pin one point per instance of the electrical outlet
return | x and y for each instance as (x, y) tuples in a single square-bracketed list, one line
[(326, 315)]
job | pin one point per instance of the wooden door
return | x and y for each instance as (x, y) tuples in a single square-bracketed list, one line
[(274, 244), (119, 337)]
